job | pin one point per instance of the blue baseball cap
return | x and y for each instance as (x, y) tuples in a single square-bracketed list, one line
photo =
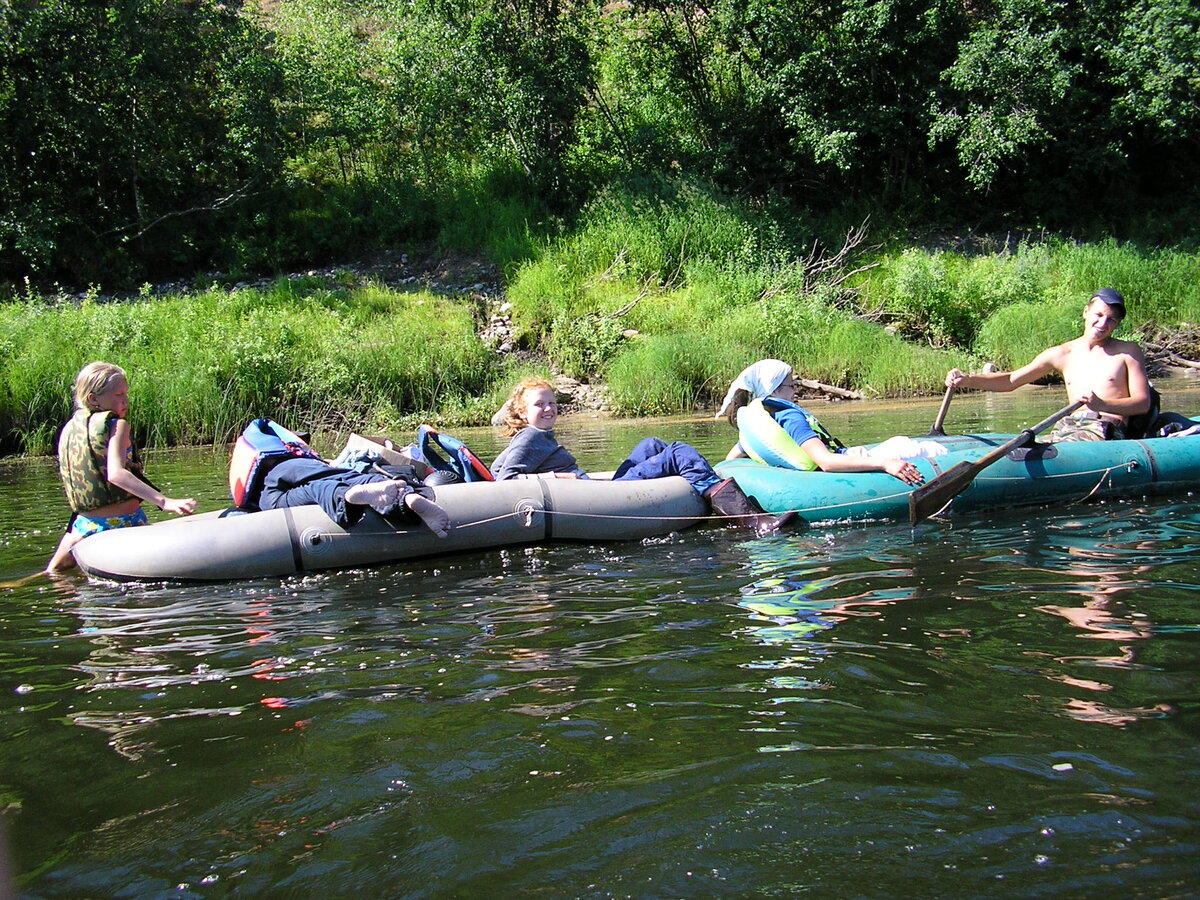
[(1112, 297)]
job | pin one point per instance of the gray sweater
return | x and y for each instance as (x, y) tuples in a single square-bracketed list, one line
[(531, 451)]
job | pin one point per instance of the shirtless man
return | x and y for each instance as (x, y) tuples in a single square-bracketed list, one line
[(1107, 374)]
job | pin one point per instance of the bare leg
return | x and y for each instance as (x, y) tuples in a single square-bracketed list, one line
[(383, 496), (62, 558), (433, 515)]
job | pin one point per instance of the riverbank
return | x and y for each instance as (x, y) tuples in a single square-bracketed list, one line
[(416, 335)]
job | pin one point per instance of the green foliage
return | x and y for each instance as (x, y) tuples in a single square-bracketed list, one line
[(152, 138), (367, 358), (1013, 78), (323, 353), (669, 374), (829, 345), (1016, 334), (677, 372), (582, 347), (1155, 65), (941, 298), (125, 129), (1160, 287), (634, 243)]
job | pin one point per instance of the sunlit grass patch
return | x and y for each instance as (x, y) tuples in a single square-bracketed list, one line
[(200, 366)]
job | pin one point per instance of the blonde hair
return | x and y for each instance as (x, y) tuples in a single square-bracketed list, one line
[(95, 378), (511, 412)]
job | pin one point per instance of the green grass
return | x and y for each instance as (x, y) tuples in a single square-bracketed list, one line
[(708, 288), (1007, 307), (201, 366), (630, 244)]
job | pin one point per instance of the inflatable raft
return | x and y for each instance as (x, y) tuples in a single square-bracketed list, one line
[(1041, 473), (278, 542)]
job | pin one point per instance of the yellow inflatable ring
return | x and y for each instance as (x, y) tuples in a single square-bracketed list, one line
[(765, 440)]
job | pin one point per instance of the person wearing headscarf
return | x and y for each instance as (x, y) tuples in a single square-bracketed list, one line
[(768, 389)]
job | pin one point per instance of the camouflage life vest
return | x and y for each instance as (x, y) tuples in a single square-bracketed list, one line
[(83, 461)]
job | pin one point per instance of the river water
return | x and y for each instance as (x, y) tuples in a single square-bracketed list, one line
[(1002, 705)]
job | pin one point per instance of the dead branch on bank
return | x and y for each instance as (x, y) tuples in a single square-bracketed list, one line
[(820, 269), (832, 390), (1178, 347), (1159, 353)]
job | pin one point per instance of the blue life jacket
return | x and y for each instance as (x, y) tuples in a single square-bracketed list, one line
[(263, 444)]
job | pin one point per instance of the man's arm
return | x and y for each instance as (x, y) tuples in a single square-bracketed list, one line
[(1043, 364)]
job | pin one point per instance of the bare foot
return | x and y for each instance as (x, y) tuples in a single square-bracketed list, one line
[(430, 513), (381, 496)]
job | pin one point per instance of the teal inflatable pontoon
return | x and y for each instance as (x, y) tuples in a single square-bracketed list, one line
[(1041, 473)]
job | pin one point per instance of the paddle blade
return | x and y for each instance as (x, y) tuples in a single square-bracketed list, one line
[(931, 498)]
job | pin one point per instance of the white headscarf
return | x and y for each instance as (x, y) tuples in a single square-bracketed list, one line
[(760, 380)]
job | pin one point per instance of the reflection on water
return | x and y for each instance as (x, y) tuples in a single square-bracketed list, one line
[(1002, 704), (801, 599)]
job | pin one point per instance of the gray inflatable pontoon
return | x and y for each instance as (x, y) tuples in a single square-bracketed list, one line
[(279, 542)]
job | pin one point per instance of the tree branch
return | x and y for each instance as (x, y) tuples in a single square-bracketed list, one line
[(217, 204)]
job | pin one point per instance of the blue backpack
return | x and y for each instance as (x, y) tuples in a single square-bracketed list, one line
[(263, 444)]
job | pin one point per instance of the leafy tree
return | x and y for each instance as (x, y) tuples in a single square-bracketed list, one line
[(535, 56), (123, 123), (1074, 100), (1011, 79), (1155, 65)]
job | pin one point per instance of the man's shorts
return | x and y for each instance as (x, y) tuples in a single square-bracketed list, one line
[(1087, 427), (84, 525)]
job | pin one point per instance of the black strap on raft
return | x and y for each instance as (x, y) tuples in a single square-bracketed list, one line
[(1142, 425)]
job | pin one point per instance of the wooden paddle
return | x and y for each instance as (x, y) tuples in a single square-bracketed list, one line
[(930, 499), (936, 430)]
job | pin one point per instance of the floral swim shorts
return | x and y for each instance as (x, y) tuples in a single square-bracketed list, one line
[(84, 525)]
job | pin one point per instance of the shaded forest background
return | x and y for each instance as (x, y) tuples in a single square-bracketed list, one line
[(146, 139)]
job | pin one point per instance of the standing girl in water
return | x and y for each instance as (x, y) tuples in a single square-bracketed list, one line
[(100, 468)]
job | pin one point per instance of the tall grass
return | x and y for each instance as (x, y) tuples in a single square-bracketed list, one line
[(632, 243), (941, 298), (1161, 288), (489, 210), (201, 366), (664, 294), (709, 287), (679, 371), (673, 373), (1008, 307)]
